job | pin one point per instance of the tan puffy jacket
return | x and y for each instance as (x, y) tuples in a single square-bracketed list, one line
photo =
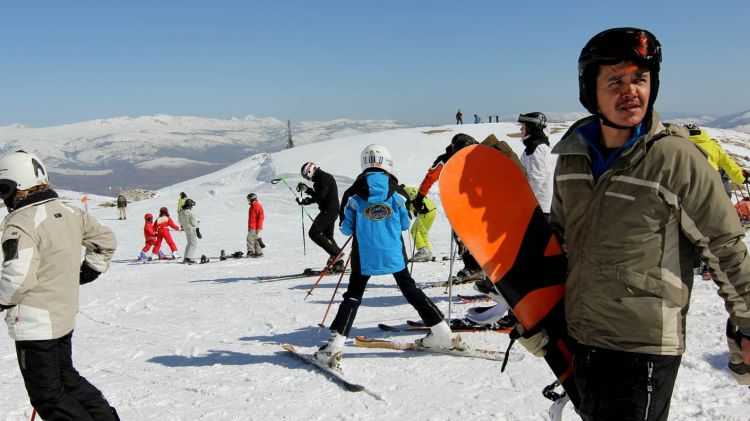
[(630, 239), (41, 265)]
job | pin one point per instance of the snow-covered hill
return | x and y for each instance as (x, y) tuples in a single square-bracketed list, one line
[(159, 150), (167, 341)]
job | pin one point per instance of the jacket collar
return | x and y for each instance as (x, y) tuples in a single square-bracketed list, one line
[(35, 198)]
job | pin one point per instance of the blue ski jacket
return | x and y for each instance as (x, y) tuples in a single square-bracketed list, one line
[(376, 214)]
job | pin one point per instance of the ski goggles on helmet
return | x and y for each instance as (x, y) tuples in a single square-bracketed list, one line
[(625, 44)]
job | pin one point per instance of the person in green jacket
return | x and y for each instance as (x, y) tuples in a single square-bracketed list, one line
[(629, 206), (421, 226), (718, 158)]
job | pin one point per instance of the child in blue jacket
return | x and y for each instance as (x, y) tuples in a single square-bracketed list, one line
[(375, 213)]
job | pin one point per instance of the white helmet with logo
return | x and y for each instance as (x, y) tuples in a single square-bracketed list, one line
[(377, 156), (20, 170)]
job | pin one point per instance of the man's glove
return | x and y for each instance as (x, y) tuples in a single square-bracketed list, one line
[(740, 370), (198, 233), (305, 201), (3, 307), (418, 204), (302, 187), (87, 274), (535, 343), (746, 173)]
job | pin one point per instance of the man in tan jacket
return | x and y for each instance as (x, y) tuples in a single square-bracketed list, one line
[(629, 204), (39, 287)]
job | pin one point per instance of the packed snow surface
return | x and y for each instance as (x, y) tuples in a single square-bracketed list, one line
[(167, 341)]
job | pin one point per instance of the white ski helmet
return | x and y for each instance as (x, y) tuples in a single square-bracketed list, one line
[(377, 156), (308, 170), (20, 170)]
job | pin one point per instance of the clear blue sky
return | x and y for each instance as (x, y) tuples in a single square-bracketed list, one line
[(410, 60)]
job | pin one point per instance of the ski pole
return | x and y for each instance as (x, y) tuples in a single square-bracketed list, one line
[(302, 215), (327, 269), (276, 181), (33, 414), (450, 275), (325, 315), (413, 247)]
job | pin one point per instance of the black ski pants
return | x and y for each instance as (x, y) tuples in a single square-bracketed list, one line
[(54, 386), (321, 231), (344, 320), (469, 261), (617, 385)]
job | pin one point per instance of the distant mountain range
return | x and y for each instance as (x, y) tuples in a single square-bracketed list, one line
[(151, 152), (100, 156)]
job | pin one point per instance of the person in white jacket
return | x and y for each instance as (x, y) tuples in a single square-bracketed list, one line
[(39, 287), (536, 157)]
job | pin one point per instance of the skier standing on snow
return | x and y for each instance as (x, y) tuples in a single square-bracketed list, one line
[(180, 203), (630, 207), (255, 218), (718, 158), (459, 117), (325, 193), (122, 204), (420, 227), (39, 287), (149, 233), (471, 269), (189, 223), (375, 214), (536, 157), (162, 225)]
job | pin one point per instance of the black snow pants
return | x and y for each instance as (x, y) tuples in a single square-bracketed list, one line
[(617, 385), (55, 388), (321, 231), (469, 261), (344, 320)]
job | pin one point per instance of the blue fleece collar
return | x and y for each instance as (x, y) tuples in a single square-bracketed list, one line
[(600, 161)]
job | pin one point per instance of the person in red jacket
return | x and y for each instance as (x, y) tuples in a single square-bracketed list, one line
[(255, 217), (149, 232), (162, 225)]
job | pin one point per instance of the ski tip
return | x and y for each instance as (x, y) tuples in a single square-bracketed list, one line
[(289, 347)]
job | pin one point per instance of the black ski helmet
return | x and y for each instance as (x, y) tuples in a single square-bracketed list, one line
[(252, 197), (163, 211), (189, 203), (611, 47), (536, 119), (461, 141)]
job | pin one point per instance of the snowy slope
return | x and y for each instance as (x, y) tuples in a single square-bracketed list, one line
[(158, 150), (166, 341)]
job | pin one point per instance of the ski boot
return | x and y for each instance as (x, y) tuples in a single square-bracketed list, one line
[(422, 255), (175, 255), (142, 257), (162, 256), (204, 258), (188, 261), (222, 256), (440, 336), (466, 274), (330, 354), (335, 263)]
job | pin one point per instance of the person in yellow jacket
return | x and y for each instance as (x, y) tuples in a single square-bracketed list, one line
[(420, 227), (718, 158)]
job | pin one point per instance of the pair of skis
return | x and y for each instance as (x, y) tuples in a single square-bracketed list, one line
[(366, 342), (457, 326)]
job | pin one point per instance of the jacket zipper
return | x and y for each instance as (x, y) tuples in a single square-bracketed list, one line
[(649, 387)]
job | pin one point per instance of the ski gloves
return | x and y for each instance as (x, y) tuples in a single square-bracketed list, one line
[(535, 343), (198, 233), (746, 173), (302, 187), (418, 204), (739, 369), (305, 201), (87, 274)]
